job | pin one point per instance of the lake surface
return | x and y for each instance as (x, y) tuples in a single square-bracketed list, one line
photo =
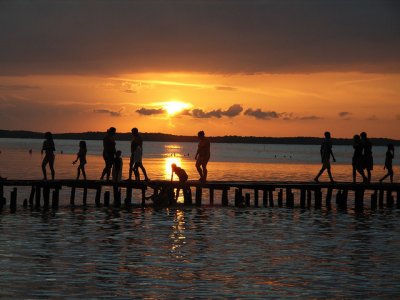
[(208, 252)]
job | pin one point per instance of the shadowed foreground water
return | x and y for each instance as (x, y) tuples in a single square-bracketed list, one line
[(199, 252)]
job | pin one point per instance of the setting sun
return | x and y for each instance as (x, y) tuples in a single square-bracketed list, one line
[(174, 107)]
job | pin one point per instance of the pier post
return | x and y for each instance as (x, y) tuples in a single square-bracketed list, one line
[(280, 197), (309, 195), (84, 198), (398, 199), (98, 196), (381, 194), (345, 193), (117, 196), (199, 195), (72, 197), (374, 199), (13, 200), (211, 196), (271, 198), (247, 199), (328, 198), (32, 196), (46, 197), (359, 199), (238, 198), (265, 198), (289, 198), (224, 200), (128, 199), (187, 195), (302, 198), (389, 199), (1, 196), (107, 198), (37, 197), (56, 196), (318, 198), (256, 198)]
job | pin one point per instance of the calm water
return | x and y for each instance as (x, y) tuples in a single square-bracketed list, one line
[(197, 252)]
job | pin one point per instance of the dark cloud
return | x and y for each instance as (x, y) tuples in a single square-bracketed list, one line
[(343, 114), (110, 112), (150, 111), (231, 112), (263, 115), (114, 37), (309, 118)]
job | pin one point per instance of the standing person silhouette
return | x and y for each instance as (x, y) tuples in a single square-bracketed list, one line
[(357, 161), (81, 156), (108, 152), (326, 152), (136, 156), (389, 163), (368, 161), (117, 167), (202, 156), (48, 148)]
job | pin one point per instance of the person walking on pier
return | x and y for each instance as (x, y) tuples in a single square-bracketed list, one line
[(202, 156), (136, 156), (389, 163), (357, 161), (326, 153), (48, 148), (368, 161), (108, 152), (81, 156)]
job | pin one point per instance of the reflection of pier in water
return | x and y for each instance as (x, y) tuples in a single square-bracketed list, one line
[(225, 193)]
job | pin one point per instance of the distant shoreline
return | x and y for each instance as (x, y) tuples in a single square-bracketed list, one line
[(163, 137)]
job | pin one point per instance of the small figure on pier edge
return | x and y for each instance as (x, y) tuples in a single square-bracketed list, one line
[(368, 161), (202, 156), (388, 163), (357, 161), (81, 156), (49, 148), (326, 152), (108, 152), (183, 177), (117, 167), (136, 156)]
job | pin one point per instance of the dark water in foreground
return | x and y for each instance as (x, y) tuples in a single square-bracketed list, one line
[(200, 252)]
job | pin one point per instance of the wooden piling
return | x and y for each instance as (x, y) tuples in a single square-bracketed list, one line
[(328, 198), (32, 196), (345, 194), (309, 196), (318, 198), (381, 195), (289, 198), (238, 198), (56, 196), (280, 197), (271, 198), (84, 197), (265, 198), (359, 199), (302, 198), (13, 200), (187, 195), (199, 195), (107, 198), (374, 199), (389, 199), (116, 196), (143, 197), (224, 200), (398, 199), (211, 191), (98, 196), (72, 197), (1, 196), (46, 197), (128, 199), (255, 197)]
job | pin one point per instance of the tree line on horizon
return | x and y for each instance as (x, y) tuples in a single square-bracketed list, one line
[(164, 137)]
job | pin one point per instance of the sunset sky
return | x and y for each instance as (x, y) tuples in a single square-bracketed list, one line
[(260, 68)]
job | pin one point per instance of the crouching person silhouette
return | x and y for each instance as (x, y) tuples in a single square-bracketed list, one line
[(183, 177)]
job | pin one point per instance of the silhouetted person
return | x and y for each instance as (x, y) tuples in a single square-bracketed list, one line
[(202, 155), (182, 175), (48, 148), (326, 153), (108, 152), (357, 160), (81, 156), (388, 163), (136, 156), (117, 167), (368, 161)]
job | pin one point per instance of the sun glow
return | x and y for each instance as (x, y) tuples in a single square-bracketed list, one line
[(174, 107)]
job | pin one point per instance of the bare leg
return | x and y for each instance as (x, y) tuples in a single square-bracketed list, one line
[(44, 171), (330, 174), (79, 173), (83, 172), (384, 177), (199, 170), (369, 175), (319, 174), (136, 172), (354, 175), (144, 171), (177, 193), (130, 170), (205, 172)]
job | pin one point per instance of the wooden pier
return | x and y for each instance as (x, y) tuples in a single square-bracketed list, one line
[(46, 194)]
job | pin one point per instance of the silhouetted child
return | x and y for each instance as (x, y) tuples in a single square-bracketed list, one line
[(117, 167), (357, 161), (326, 152), (388, 163), (183, 177), (49, 148), (81, 156)]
